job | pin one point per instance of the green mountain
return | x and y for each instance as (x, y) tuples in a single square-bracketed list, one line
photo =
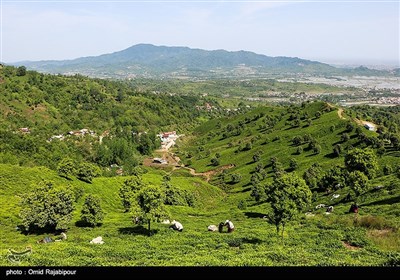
[(146, 60)]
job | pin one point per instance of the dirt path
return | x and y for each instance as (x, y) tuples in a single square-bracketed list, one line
[(208, 174), (174, 161), (340, 114), (359, 122)]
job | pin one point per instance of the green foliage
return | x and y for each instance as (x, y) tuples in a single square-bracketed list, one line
[(356, 237), (128, 190), (177, 196), (242, 205), (358, 182), (288, 195), (92, 213), (236, 178), (21, 71), (148, 205), (86, 172), (333, 178), (293, 164), (337, 150), (66, 168), (215, 161), (47, 207), (363, 160), (313, 175)]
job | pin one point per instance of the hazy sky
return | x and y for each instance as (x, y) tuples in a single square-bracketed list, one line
[(362, 32)]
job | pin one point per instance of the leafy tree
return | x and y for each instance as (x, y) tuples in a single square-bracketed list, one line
[(47, 207), (299, 150), (236, 178), (345, 137), (313, 175), (316, 149), (91, 213), (335, 176), (337, 150), (148, 205), (166, 177), (177, 196), (21, 71), (247, 147), (358, 182), (145, 145), (256, 157), (363, 160), (288, 196), (259, 167), (297, 140), (66, 168), (87, 171), (129, 189), (293, 164), (350, 127), (387, 169), (215, 161), (258, 191)]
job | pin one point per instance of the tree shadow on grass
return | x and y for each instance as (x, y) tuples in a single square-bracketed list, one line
[(245, 189), (254, 215), (137, 230), (331, 155), (84, 224), (38, 231), (391, 200), (237, 242)]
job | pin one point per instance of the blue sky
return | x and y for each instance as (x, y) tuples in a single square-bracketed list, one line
[(353, 32)]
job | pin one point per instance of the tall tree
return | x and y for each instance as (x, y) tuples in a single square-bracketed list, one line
[(288, 195), (148, 205), (358, 183), (129, 189), (91, 213)]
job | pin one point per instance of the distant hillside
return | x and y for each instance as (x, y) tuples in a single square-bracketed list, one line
[(146, 60)]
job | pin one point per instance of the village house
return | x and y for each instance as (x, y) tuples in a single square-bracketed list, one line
[(160, 161), (369, 126)]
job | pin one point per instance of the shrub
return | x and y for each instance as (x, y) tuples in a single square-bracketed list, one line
[(176, 196), (372, 222), (91, 213), (356, 237), (47, 207), (242, 205)]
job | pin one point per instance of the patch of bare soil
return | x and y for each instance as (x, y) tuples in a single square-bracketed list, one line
[(379, 232), (350, 247), (340, 114), (208, 174)]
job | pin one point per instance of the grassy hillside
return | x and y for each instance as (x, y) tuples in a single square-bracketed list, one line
[(320, 240), (229, 150)]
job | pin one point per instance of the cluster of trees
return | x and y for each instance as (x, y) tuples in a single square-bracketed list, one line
[(50, 207)]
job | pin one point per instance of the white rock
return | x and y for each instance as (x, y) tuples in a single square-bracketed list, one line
[(97, 240)]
